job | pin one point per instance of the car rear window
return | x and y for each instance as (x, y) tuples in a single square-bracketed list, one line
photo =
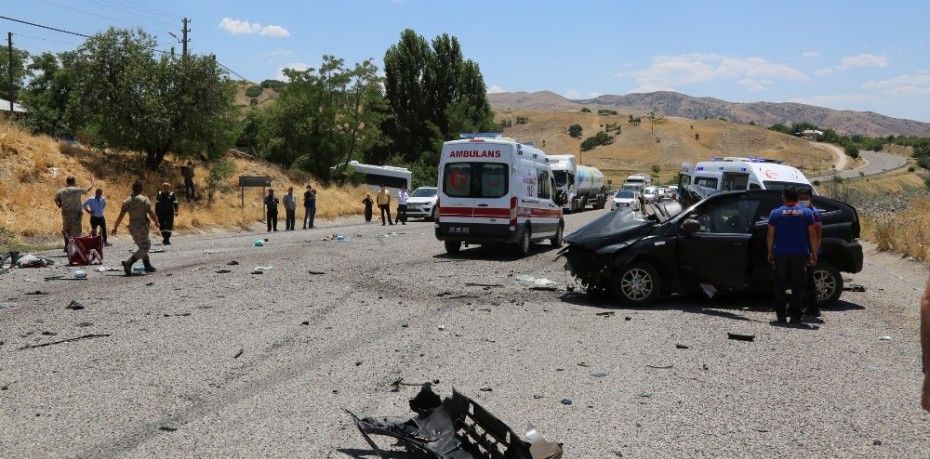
[(475, 180)]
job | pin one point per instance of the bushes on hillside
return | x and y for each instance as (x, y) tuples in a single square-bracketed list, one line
[(585, 110), (575, 130), (851, 150), (523, 119), (253, 91), (606, 112), (601, 138)]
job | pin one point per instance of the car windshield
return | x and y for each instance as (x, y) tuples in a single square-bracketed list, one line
[(475, 180), (423, 193), (623, 194)]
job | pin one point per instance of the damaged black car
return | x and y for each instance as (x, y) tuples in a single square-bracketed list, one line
[(715, 245)]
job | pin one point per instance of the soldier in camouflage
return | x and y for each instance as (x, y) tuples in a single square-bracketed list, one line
[(140, 210)]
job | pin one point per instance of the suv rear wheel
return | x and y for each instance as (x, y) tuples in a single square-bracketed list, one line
[(829, 283), (557, 239), (453, 246), (636, 284)]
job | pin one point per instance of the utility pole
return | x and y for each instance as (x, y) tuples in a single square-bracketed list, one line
[(184, 39), (9, 66)]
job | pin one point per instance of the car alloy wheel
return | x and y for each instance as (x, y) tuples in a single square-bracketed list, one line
[(636, 284), (829, 284)]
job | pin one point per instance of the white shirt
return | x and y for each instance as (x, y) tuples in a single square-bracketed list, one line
[(402, 197)]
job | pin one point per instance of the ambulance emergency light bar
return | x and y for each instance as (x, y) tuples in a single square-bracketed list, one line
[(475, 135), (747, 160)]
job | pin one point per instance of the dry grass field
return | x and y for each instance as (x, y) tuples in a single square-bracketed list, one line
[(638, 148), (33, 168)]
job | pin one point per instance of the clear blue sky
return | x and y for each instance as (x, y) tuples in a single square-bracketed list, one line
[(848, 55)]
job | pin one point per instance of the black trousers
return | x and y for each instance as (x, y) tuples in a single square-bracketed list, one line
[(790, 272), (189, 188), (272, 219), (385, 208), (290, 217), (309, 215), (402, 213), (810, 294), (102, 223), (166, 226)]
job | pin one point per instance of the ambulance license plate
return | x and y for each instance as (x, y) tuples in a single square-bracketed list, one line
[(458, 229)]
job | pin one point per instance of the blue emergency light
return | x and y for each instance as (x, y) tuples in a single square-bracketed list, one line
[(474, 135)]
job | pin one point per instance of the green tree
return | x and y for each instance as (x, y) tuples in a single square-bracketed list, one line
[(125, 97), (47, 94), (851, 150), (434, 93), (20, 72), (324, 117), (575, 130)]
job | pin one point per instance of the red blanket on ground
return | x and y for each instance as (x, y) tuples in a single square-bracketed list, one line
[(85, 250)]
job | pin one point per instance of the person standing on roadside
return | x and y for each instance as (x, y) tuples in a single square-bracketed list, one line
[(791, 236), (368, 203), (290, 210), (166, 207), (140, 210), (925, 343), (70, 202), (187, 172), (95, 207), (811, 308), (384, 204), (402, 197), (271, 211), (309, 207)]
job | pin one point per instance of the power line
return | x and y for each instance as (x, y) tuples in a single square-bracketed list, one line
[(136, 11), (78, 10), (144, 7)]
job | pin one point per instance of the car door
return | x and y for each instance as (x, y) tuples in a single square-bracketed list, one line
[(761, 274), (718, 253)]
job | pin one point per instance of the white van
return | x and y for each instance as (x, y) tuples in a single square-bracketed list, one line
[(496, 190), (731, 174)]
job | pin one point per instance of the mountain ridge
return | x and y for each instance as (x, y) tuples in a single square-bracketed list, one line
[(671, 103)]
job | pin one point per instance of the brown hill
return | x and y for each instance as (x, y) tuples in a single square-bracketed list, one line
[(243, 101), (637, 148), (762, 113)]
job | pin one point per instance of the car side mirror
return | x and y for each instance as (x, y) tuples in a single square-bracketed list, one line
[(690, 226)]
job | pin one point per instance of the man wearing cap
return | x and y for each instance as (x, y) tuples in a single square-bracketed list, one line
[(166, 207), (140, 211)]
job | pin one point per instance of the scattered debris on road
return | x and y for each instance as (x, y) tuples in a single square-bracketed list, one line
[(37, 292), (74, 305), (455, 428), (104, 269), (660, 367), (566, 401), (605, 314), (167, 429), (239, 354), (477, 284), (233, 263), (316, 273), (885, 338), (79, 274), (682, 346), (854, 288), (69, 340), (223, 271), (259, 243), (741, 337)]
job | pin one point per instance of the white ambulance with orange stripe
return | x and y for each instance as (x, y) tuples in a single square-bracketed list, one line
[(496, 190)]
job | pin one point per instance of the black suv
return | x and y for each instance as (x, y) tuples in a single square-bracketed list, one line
[(719, 242)]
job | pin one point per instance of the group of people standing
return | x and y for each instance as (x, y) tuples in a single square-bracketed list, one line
[(383, 199), (290, 209)]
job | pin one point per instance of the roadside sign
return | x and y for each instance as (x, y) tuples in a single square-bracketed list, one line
[(246, 181)]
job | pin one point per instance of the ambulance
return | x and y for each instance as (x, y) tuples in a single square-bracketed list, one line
[(732, 174), (496, 190)]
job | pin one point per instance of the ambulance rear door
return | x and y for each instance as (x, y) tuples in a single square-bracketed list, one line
[(475, 187)]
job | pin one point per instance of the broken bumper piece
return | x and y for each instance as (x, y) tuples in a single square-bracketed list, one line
[(456, 428)]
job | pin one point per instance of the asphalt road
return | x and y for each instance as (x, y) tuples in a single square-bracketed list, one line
[(876, 163), (192, 362)]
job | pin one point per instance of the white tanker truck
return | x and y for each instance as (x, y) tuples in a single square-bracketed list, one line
[(577, 186)]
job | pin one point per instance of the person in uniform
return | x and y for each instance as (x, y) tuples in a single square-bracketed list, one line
[(95, 207), (166, 207), (69, 199), (271, 210), (811, 307), (309, 207), (290, 210), (791, 236), (402, 197), (140, 211), (368, 203)]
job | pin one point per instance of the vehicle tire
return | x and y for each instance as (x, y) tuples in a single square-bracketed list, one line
[(432, 215), (453, 246), (525, 242), (557, 240), (636, 284), (829, 282)]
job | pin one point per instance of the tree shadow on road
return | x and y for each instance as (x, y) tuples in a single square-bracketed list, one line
[(727, 306), (494, 252)]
